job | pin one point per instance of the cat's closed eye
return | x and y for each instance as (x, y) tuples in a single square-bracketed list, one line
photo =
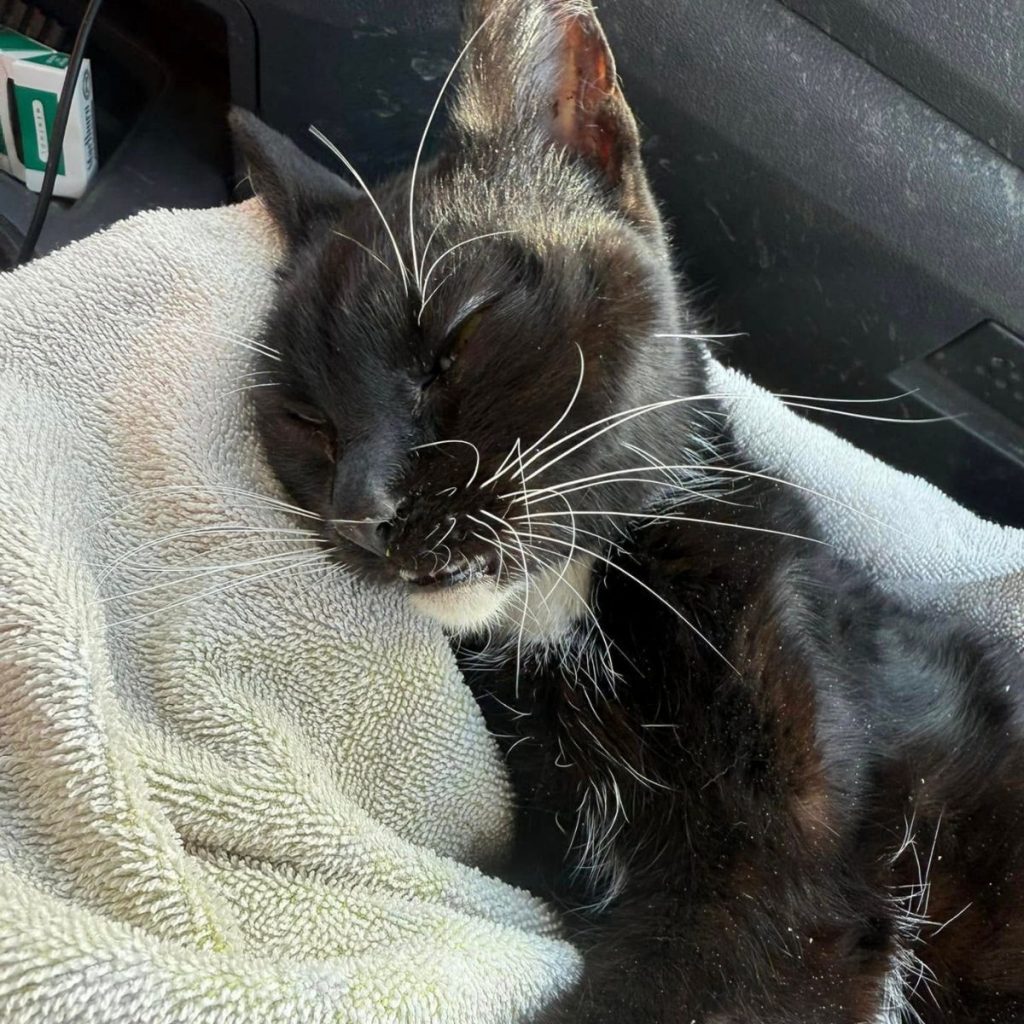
[(454, 345), (310, 427), (304, 414)]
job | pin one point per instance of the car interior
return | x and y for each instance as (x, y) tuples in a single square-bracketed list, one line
[(844, 178)]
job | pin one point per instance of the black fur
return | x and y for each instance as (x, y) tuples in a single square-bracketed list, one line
[(761, 790), (767, 807)]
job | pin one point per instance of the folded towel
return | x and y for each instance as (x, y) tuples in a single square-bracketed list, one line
[(235, 785), (907, 534)]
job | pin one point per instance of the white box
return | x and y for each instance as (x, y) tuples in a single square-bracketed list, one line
[(13, 45), (33, 91)]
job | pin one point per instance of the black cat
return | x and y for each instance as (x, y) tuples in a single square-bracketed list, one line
[(762, 791)]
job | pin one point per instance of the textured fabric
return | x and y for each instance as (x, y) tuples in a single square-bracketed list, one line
[(235, 790), (910, 537), (226, 794)]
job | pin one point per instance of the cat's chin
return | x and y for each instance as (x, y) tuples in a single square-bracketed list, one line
[(464, 609), (542, 614)]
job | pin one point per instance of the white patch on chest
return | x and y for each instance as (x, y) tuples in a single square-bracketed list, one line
[(540, 613), (549, 609), (463, 609)]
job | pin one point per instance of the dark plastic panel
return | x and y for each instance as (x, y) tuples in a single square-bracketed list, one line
[(365, 73), (241, 50), (964, 57), (979, 380), (987, 363), (847, 226)]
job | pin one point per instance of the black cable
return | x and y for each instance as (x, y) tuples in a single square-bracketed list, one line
[(60, 126)]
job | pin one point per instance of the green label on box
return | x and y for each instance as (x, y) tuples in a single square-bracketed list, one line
[(15, 42), (36, 110), (52, 60)]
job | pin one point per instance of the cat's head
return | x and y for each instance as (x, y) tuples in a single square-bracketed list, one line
[(458, 355)]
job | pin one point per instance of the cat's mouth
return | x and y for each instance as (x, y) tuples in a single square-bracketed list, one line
[(462, 595), (454, 574)]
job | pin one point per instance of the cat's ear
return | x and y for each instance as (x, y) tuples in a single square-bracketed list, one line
[(298, 192), (542, 70)]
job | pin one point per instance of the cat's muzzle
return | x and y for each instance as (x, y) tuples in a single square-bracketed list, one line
[(454, 573)]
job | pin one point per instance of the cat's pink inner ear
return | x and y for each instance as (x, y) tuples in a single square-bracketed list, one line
[(587, 107)]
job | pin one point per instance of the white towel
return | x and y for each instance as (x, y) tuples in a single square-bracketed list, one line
[(251, 794), (907, 534), (258, 793)]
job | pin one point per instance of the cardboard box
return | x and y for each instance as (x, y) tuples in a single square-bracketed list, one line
[(33, 91), (31, 79), (13, 45)]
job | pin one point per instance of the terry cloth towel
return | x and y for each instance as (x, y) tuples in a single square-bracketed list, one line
[(910, 537), (236, 786)]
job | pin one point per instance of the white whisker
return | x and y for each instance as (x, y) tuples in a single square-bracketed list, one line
[(197, 532), (202, 572), (554, 426), (735, 471), (607, 423), (183, 568), (318, 134), (505, 462), (455, 440), (451, 249), (875, 419), (248, 387), (846, 401), (526, 593), (204, 330), (656, 517), (218, 489), (496, 544), (369, 252), (949, 921), (253, 347), (451, 529), (703, 337), (417, 270), (426, 248), (611, 544), (569, 557), (233, 585), (561, 490), (497, 540), (423, 305)]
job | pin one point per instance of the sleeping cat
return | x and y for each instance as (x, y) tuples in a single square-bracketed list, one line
[(762, 791)]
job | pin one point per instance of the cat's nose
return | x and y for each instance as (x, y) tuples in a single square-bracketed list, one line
[(370, 518), (371, 534), (366, 502)]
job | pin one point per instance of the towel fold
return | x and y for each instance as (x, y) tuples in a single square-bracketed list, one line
[(235, 785), (911, 538)]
